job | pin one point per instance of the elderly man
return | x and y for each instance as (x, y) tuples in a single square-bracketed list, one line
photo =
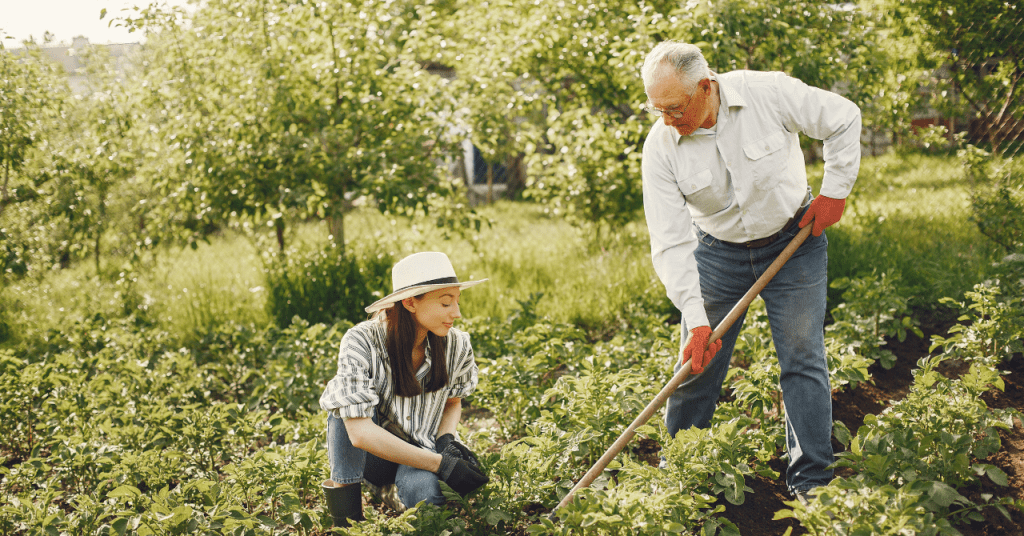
[(725, 190)]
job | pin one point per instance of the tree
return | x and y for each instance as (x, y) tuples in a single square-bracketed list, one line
[(492, 105), (582, 60), (31, 92), (91, 155), (981, 46), (30, 86), (275, 107), (833, 46), (973, 53)]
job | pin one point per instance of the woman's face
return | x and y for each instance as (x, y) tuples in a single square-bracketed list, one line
[(435, 311)]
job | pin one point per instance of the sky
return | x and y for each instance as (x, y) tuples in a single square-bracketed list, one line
[(66, 19)]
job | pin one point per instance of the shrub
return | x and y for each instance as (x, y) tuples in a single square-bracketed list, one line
[(325, 285), (997, 198)]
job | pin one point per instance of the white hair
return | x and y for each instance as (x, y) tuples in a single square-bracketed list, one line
[(684, 59)]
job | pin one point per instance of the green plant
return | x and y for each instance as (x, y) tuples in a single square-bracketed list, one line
[(935, 433), (847, 367), (851, 507), (990, 329), (535, 358), (873, 309), (324, 286), (595, 403)]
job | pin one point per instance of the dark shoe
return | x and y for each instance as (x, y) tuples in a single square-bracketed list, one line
[(344, 503)]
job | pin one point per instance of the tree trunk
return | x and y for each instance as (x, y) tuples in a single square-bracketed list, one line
[(992, 126), (96, 253), (279, 229), (3, 190), (336, 223)]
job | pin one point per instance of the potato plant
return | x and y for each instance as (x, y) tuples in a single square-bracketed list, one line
[(873, 308), (910, 460), (992, 323)]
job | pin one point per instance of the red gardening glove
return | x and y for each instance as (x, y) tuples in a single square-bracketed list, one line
[(825, 211), (698, 350)]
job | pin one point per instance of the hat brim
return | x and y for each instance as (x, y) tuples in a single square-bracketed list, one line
[(394, 297)]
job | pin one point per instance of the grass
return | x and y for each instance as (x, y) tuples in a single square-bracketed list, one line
[(31, 307), (184, 292), (525, 252), (910, 214), (191, 292)]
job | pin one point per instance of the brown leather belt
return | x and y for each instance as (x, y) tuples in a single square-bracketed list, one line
[(762, 242)]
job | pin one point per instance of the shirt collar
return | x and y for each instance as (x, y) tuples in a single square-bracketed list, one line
[(730, 97), (729, 92)]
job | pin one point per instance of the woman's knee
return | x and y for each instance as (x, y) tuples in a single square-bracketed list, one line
[(415, 486)]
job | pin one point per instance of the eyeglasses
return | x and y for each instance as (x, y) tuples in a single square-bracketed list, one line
[(657, 112)]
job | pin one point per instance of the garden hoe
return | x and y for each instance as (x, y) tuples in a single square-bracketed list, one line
[(684, 371)]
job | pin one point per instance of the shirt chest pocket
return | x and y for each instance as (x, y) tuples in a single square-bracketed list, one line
[(694, 183), (702, 194), (767, 160)]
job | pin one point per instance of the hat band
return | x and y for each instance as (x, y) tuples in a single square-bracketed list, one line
[(443, 280)]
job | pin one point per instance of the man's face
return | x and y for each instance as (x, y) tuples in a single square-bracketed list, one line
[(671, 97)]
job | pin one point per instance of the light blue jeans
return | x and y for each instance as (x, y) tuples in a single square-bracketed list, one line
[(795, 300), (350, 465)]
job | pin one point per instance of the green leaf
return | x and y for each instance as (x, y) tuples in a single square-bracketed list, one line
[(942, 494), (124, 491), (842, 433), (996, 475), (729, 528), (493, 516), (120, 526)]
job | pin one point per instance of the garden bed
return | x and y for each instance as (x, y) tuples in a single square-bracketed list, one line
[(754, 517)]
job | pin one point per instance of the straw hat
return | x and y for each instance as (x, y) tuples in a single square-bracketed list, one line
[(417, 274)]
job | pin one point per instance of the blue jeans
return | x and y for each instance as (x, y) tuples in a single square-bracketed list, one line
[(350, 465), (795, 301)]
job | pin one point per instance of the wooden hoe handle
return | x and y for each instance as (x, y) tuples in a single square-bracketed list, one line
[(684, 371)]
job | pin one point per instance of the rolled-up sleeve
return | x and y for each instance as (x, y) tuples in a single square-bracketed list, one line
[(351, 393), (464, 375)]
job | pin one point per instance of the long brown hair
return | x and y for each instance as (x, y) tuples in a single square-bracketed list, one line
[(401, 336)]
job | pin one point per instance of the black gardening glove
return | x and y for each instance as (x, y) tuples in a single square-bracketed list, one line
[(458, 473), (448, 439)]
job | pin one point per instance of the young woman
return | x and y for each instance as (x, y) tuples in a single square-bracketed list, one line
[(397, 397)]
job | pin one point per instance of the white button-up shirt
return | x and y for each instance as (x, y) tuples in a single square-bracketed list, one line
[(743, 179)]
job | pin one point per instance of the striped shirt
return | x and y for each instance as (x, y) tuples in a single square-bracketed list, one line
[(363, 383)]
